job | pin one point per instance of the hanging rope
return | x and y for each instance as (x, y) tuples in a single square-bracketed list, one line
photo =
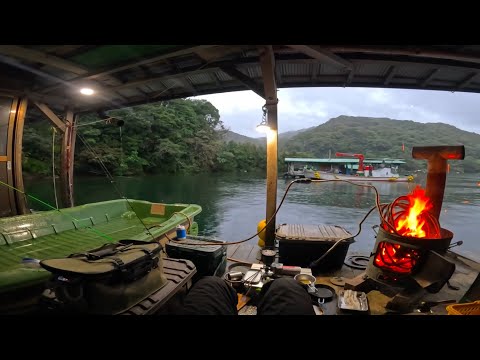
[(54, 131), (112, 181)]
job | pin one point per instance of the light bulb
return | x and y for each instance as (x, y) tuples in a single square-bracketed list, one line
[(87, 91), (263, 128)]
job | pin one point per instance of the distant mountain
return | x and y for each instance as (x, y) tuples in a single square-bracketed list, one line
[(242, 139), (383, 137), (289, 134), (282, 137)]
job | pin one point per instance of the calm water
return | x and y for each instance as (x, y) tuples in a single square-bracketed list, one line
[(234, 204)]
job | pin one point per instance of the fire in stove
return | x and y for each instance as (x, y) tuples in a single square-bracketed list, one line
[(410, 245), (411, 216)]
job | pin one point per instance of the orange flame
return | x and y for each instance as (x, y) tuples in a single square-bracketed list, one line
[(412, 224)]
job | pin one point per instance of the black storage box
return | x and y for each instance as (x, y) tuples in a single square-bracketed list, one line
[(299, 245), (210, 260)]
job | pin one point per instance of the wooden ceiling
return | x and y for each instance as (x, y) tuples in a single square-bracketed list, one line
[(126, 75)]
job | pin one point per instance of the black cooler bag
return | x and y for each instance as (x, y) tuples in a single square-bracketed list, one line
[(109, 279)]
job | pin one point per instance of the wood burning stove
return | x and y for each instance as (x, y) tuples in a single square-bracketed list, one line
[(410, 245), (402, 261)]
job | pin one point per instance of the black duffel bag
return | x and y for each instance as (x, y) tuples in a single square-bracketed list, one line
[(106, 280)]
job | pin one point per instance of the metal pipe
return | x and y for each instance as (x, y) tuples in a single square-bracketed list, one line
[(437, 157)]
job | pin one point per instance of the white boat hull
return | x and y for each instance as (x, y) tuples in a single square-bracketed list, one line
[(330, 176)]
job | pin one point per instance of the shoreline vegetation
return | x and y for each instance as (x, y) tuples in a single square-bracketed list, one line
[(188, 136)]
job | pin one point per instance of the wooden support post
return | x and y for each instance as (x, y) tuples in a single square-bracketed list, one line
[(267, 62), (68, 132), (12, 202), (20, 198), (67, 158)]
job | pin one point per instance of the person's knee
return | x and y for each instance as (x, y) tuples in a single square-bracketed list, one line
[(212, 284), (285, 283), (211, 280), (211, 296)]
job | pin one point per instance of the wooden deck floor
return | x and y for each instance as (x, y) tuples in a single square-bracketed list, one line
[(244, 252)]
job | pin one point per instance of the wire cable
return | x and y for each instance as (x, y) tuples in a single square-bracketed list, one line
[(112, 181), (53, 208), (54, 131), (377, 206)]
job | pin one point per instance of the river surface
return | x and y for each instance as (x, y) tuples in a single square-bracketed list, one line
[(233, 204)]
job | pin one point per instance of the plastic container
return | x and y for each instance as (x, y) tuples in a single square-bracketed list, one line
[(300, 245), (210, 260), (181, 232), (472, 308)]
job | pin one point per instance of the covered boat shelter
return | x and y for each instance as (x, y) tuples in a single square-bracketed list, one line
[(329, 163), (50, 78)]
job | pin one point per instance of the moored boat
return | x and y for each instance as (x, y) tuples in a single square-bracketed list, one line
[(332, 176), (25, 239), (347, 169)]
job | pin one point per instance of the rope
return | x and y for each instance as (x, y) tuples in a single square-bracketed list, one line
[(112, 181), (54, 131), (93, 122), (189, 221), (377, 206)]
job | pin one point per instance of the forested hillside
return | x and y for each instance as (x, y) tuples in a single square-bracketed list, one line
[(381, 137), (175, 136), (189, 136)]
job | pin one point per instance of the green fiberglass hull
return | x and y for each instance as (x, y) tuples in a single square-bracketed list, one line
[(51, 234)]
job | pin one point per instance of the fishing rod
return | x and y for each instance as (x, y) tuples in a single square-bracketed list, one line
[(107, 173), (113, 183)]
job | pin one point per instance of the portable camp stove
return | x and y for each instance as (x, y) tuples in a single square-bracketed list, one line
[(406, 268), (401, 261), (408, 256)]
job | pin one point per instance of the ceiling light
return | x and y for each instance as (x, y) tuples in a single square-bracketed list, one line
[(87, 91)]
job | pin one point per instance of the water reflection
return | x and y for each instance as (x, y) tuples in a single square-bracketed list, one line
[(233, 204)]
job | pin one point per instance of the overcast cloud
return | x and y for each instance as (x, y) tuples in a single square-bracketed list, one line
[(305, 107)]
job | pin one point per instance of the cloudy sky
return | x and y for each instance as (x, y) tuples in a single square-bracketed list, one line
[(305, 107)]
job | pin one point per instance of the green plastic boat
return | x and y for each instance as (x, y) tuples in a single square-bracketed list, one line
[(51, 234)]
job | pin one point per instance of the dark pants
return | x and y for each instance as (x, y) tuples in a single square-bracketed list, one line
[(214, 296)]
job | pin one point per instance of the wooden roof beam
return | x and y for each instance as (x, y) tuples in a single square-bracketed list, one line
[(43, 58), (220, 51), (390, 74), (429, 78), (350, 76), (244, 79), (324, 55), (467, 81), (418, 52), (216, 80), (316, 69), (14, 62), (184, 81), (51, 116), (145, 61), (171, 75), (187, 84)]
